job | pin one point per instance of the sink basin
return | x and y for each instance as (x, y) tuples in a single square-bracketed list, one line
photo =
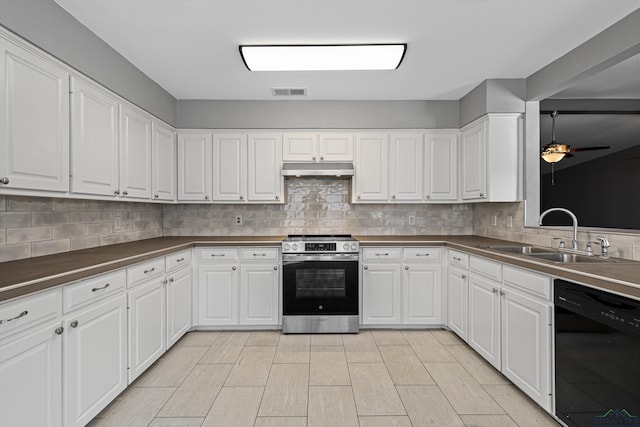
[(524, 250), (565, 257)]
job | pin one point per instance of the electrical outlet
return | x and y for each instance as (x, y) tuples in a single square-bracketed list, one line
[(494, 220), (509, 221), (412, 220), (116, 223), (239, 220)]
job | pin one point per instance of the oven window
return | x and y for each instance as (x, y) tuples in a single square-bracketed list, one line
[(314, 283)]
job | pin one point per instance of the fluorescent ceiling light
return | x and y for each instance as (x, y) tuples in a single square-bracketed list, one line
[(323, 57)]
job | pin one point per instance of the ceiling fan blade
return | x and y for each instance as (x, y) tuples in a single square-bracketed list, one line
[(573, 149)]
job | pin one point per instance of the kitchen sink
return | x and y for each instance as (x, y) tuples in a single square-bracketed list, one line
[(565, 257), (524, 250)]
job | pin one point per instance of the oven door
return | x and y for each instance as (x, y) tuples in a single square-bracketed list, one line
[(320, 285)]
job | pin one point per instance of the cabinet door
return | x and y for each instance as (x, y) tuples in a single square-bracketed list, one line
[(34, 121), (484, 318), (474, 162), (526, 345), (147, 326), (299, 147), (259, 294), (95, 361), (458, 301), (178, 305), (441, 166), (372, 168), (218, 294), (163, 165), (335, 147), (135, 153), (229, 167), (31, 378), (194, 167), (381, 294), (94, 140), (422, 294), (265, 161), (406, 166)]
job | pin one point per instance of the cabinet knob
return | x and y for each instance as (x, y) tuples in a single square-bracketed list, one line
[(393, 197), (495, 291), (116, 192), (4, 180), (313, 158), (277, 197), (206, 197), (406, 267), (321, 158), (59, 330), (502, 293), (74, 324), (155, 196), (234, 268), (124, 193), (481, 194), (464, 276), (428, 196), (171, 280), (241, 197), (165, 281), (275, 267), (358, 197), (365, 267)]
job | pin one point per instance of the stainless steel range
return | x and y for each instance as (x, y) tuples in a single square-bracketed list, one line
[(320, 284)]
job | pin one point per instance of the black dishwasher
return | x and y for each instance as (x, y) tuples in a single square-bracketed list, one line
[(597, 357)]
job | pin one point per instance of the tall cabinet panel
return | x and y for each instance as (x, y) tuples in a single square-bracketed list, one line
[(94, 140), (163, 159), (194, 166), (406, 166), (474, 163), (34, 121), (441, 166), (135, 153), (372, 167), (265, 161), (229, 167)]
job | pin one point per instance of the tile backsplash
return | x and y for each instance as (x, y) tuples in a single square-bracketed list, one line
[(34, 226), (317, 206)]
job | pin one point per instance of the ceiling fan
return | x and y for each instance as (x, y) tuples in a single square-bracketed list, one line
[(553, 152)]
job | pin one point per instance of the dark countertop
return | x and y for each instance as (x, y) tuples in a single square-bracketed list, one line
[(22, 277)]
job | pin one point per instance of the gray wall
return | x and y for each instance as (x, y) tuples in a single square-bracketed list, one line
[(317, 114), (51, 28), (493, 96), (613, 45)]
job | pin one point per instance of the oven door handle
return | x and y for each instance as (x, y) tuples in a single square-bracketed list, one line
[(295, 258)]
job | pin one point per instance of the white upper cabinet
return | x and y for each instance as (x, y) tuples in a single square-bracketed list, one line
[(371, 180), (194, 167), (406, 157), (163, 162), (441, 166), (317, 147), (229, 167), (34, 121), (491, 164), (135, 153), (265, 183), (94, 140)]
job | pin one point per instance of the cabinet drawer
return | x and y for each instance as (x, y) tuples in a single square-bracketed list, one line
[(218, 255), (381, 254), (421, 254), (458, 258), (533, 283), (259, 254), (177, 260), (488, 268), (94, 289), (30, 310), (146, 270)]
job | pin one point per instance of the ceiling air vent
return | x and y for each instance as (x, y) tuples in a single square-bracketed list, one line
[(289, 91)]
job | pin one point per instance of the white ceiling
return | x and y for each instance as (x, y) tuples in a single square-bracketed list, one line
[(190, 47)]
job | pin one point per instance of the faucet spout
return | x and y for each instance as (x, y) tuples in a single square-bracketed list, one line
[(574, 242)]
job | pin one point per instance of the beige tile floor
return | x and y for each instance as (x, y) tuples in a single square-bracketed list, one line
[(376, 378)]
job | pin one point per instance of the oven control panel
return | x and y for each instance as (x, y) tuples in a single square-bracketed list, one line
[(314, 247)]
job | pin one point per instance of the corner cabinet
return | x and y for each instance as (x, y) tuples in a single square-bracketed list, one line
[(34, 121), (491, 165)]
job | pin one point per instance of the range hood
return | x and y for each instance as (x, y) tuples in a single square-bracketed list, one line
[(318, 169)]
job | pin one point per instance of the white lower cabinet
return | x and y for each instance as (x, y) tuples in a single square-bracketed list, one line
[(484, 318), (238, 286), (404, 289), (30, 361), (178, 305)]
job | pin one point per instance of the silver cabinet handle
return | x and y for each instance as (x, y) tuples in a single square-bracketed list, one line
[(406, 267), (217, 254), (365, 267), (180, 260), (457, 259), (150, 271), (74, 324), (275, 267), (234, 268), (259, 254), (382, 254), (99, 289), (59, 330), (4, 180), (24, 313), (116, 192), (423, 254), (155, 196)]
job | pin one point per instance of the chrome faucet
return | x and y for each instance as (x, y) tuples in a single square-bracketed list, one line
[(574, 241), (604, 246)]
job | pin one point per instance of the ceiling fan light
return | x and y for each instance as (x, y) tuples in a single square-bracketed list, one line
[(345, 57), (552, 156)]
